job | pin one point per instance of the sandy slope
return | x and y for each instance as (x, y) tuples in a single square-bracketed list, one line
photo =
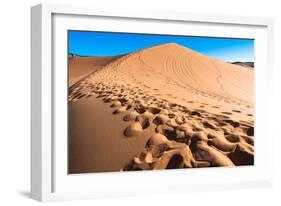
[(162, 107), (97, 145), (80, 67)]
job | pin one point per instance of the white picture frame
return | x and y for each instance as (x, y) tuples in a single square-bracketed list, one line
[(49, 180)]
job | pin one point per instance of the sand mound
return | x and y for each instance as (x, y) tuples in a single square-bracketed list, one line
[(80, 67), (178, 109)]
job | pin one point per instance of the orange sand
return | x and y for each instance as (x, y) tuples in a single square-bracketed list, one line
[(162, 107)]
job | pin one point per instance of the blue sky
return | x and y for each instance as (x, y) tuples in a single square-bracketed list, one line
[(90, 43)]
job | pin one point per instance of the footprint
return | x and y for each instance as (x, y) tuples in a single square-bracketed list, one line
[(241, 157), (121, 109), (249, 140), (237, 111), (232, 122), (195, 113), (157, 139), (232, 138), (167, 131), (154, 110), (160, 119), (116, 104), (131, 116), (140, 109), (143, 120), (250, 131), (209, 125), (228, 113), (175, 162)]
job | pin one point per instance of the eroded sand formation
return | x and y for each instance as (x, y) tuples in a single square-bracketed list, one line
[(181, 108)]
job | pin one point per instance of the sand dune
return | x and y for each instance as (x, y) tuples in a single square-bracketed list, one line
[(249, 65), (162, 107), (80, 67)]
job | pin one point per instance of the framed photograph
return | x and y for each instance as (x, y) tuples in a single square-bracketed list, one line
[(137, 102)]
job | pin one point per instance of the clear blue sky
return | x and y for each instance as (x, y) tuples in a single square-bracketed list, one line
[(90, 43)]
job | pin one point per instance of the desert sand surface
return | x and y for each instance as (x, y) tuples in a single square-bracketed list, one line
[(80, 67), (163, 107)]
